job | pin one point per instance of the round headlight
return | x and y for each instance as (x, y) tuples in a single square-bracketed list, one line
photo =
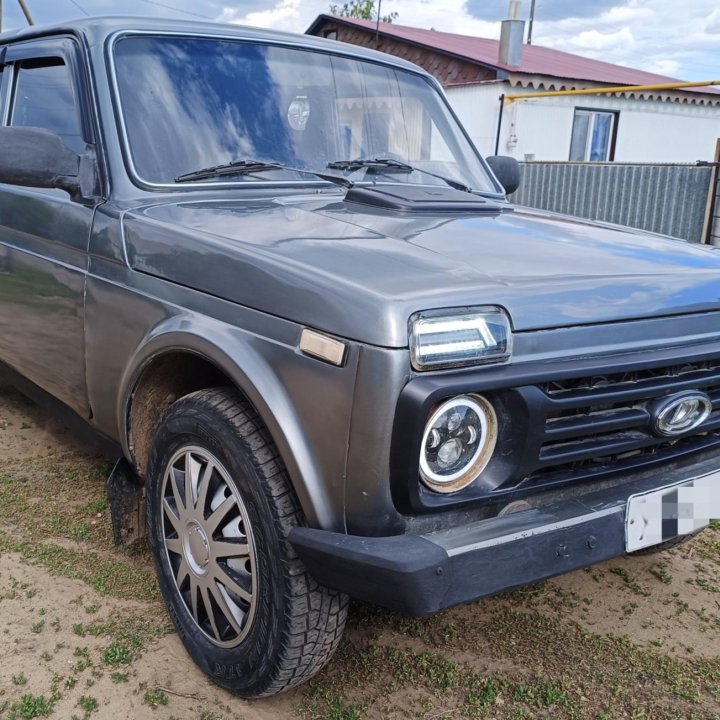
[(458, 443)]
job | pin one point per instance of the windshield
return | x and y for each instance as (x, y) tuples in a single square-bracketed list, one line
[(190, 103)]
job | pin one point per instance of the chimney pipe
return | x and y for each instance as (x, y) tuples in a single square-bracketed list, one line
[(512, 33)]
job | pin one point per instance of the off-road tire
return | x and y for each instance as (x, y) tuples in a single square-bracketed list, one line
[(297, 623)]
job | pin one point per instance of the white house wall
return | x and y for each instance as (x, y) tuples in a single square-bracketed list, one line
[(540, 129)]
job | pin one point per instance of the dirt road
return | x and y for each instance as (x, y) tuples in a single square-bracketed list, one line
[(83, 632)]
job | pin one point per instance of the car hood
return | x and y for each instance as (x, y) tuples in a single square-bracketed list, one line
[(360, 272)]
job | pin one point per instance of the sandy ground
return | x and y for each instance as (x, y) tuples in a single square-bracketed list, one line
[(90, 644)]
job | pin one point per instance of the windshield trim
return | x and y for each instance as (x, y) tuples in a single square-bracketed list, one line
[(244, 182)]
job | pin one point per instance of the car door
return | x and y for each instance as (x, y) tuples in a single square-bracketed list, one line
[(43, 233)]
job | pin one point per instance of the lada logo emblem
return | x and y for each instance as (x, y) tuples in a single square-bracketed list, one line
[(680, 413)]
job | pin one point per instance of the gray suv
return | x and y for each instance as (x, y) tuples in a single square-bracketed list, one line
[(274, 275)]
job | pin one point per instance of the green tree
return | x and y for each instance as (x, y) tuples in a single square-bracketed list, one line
[(361, 9)]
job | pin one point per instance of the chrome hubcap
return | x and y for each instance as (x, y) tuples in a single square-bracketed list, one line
[(209, 545)]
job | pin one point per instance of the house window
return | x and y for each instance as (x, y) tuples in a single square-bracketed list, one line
[(593, 136)]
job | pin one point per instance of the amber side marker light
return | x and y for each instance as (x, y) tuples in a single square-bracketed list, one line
[(323, 347)]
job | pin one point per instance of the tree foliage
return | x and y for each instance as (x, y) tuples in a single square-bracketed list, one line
[(361, 9)]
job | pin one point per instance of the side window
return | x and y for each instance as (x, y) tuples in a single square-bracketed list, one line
[(45, 98)]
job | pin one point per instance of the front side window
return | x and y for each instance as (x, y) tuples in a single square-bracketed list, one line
[(593, 136), (45, 98), (215, 101)]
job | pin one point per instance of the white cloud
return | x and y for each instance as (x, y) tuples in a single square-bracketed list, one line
[(663, 66), (681, 39), (713, 23), (285, 15), (596, 40)]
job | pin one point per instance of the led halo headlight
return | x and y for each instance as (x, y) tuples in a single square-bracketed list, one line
[(460, 337), (458, 442)]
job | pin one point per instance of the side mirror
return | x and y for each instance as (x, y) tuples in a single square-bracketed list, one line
[(507, 171), (34, 157)]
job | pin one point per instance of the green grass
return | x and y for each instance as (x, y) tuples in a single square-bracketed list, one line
[(118, 654), (156, 697), (107, 576)]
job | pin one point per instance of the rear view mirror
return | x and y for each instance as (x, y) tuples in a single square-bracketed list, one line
[(506, 170), (34, 157)]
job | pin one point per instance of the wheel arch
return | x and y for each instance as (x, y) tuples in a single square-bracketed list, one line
[(174, 362)]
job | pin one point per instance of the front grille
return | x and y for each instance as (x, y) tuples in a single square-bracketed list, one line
[(600, 425)]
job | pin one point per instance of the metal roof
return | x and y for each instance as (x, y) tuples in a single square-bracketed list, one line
[(536, 60)]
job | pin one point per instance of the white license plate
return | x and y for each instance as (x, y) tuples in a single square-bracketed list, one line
[(681, 509)]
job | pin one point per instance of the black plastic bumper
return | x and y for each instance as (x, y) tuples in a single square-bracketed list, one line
[(421, 574)]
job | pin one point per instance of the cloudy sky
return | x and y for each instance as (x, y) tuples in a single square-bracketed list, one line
[(679, 39)]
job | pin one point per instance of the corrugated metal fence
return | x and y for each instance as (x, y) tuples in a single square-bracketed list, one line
[(715, 220), (669, 199)]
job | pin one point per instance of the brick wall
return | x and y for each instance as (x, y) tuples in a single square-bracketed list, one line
[(448, 70)]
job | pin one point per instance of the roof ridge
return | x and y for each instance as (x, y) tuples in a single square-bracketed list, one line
[(536, 59)]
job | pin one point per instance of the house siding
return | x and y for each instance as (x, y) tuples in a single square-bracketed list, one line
[(540, 129)]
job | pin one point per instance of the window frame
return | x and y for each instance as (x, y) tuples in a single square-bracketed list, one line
[(62, 48), (615, 115), (147, 185), (4, 88)]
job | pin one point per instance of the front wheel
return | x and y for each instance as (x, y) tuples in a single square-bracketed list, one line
[(220, 509)]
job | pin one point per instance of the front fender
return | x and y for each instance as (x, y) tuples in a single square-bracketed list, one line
[(305, 404)]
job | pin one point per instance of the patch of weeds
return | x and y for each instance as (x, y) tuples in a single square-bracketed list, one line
[(118, 677), (46, 656), (71, 682), (551, 694), (84, 661), (630, 581), (30, 594), (19, 679), (482, 692), (97, 506), (705, 585), (79, 531), (109, 577), (94, 629), (38, 627), (117, 654), (661, 573), (88, 704), (156, 697), (329, 706), (92, 609), (33, 706)]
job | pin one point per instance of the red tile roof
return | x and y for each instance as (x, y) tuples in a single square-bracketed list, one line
[(536, 60)]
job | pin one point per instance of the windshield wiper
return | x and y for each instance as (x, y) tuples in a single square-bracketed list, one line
[(237, 167), (246, 167), (388, 165)]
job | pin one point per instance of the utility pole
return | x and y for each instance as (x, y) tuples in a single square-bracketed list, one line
[(377, 26), (530, 23), (26, 12)]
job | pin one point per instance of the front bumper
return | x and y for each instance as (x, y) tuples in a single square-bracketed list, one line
[(421, 574)]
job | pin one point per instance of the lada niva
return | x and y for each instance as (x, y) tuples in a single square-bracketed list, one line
[(275, 275)]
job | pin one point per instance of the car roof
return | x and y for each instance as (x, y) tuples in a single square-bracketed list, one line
[(97, 29)]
